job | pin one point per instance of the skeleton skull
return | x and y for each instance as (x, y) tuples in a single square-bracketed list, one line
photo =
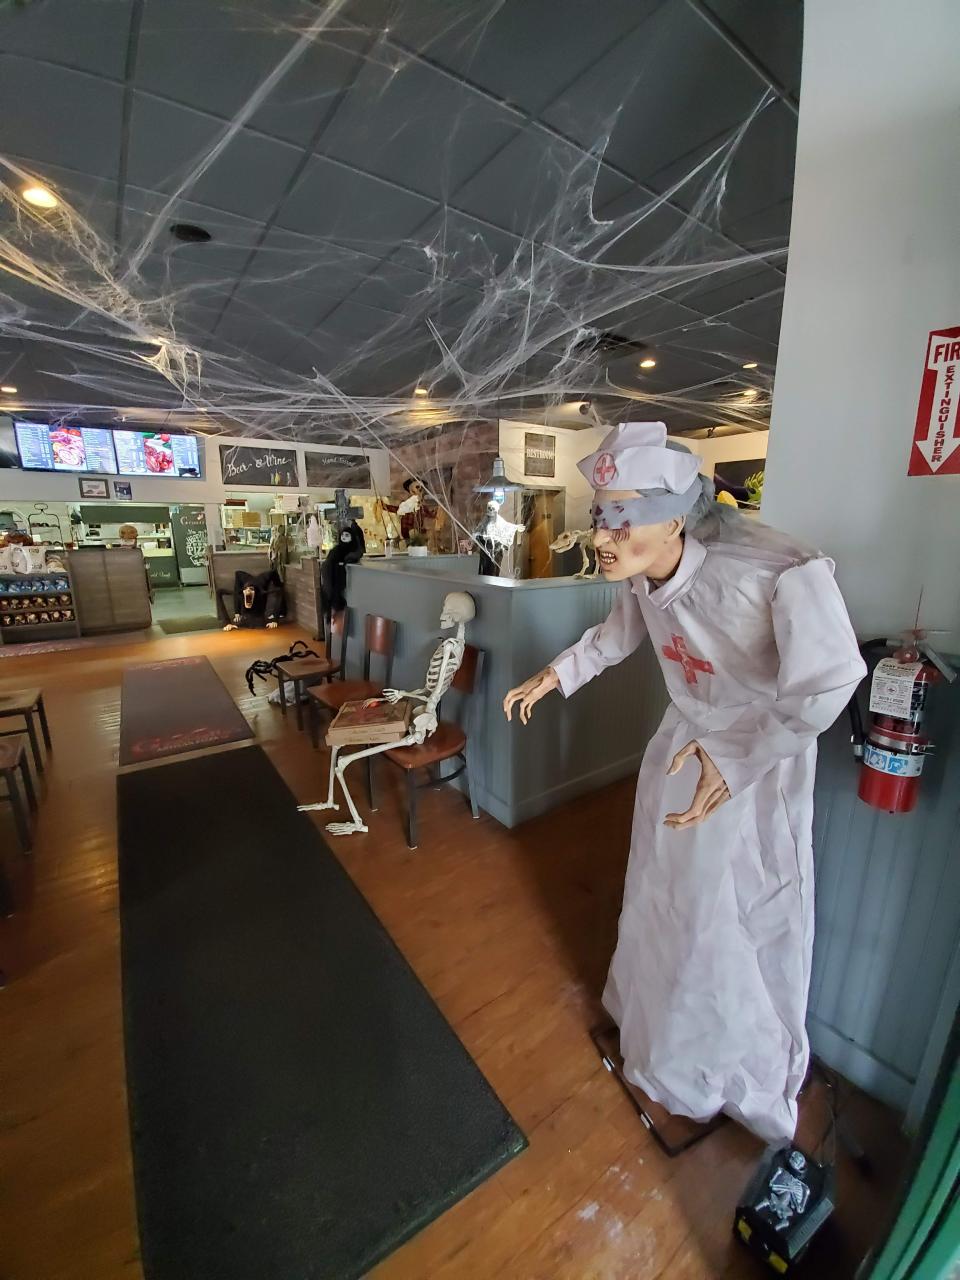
[(457, 607)]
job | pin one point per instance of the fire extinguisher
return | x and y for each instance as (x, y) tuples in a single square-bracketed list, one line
[(895, 745)]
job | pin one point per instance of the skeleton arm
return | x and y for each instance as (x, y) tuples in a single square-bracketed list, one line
[(396, 695)]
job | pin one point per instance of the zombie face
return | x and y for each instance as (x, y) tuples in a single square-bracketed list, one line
[(249, 596), (630, 549)]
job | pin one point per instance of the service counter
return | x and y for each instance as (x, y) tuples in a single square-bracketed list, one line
[(569, 748)]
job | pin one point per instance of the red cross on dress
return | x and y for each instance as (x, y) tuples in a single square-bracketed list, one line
[(690, 664)]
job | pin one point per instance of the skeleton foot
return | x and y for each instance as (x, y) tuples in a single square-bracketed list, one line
[(321, 804), (346, 828)]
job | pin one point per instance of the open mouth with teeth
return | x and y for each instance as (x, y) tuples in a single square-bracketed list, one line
[(607, 559)]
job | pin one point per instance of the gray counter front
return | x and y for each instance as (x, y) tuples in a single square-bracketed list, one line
[(569, 747)]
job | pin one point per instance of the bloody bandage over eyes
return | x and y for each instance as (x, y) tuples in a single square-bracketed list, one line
[(655, 506)]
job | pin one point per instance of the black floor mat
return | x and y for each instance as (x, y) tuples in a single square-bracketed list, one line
[(299, 1105), (178, 705), (179, 626)]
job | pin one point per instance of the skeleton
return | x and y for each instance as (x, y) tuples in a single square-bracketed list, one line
[(458, 610), (582, 538), (787, 1194)]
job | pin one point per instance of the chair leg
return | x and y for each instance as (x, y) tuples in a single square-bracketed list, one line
[(7, 904), (19, 815), (313, 723), (281, 682), (298, 705), (42, 712), (371, 795), (411, 809), (471, 789), (28, 784), (34, 744)]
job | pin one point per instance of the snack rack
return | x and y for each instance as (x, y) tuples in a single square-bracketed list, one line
[(37, 606)]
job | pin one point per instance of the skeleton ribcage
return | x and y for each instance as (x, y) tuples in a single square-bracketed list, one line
[(436, 689)]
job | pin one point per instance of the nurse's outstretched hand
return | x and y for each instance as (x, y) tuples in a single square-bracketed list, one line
[(529, 693), (711, 790)]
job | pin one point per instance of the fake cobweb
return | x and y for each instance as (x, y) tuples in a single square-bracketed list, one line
[(115, 315)]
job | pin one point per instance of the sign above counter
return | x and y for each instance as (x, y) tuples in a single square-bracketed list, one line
[(242, 465), (329, 470)]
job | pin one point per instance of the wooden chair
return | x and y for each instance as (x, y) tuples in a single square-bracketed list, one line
[(302, 672), (25, 704), (451, 741), (379, 637), (13, 758)]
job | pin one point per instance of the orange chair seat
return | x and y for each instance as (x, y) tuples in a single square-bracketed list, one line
[(448, 741), (335, 695)]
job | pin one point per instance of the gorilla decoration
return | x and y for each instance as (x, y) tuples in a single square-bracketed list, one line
[(258, 600), (348, 549)]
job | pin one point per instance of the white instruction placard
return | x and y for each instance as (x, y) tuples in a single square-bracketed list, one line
[(892, 690)]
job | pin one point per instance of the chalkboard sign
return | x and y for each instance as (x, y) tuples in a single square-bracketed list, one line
[(328, 470), (244, 464), (189, 536)]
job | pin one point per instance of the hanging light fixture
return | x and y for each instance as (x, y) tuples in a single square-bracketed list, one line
[(498, 485)]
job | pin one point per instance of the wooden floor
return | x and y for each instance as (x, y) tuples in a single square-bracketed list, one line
[(510, 931)]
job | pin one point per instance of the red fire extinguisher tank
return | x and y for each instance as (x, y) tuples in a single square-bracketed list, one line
[(896, 744)]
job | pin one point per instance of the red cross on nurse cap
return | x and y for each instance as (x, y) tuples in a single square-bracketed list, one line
[(634, 456)]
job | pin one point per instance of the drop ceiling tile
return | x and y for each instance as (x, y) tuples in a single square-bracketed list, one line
[(767, 229), (759, 318), (215, 56), (729, 287), (233, 238), (452, 246), (539, 186), (760, 171), (308, 262), (408, 122), (773, 32), (248, 178), (93, 199), (666, 89), (79, 125), (525, 52), (88, 37), (337, 203)]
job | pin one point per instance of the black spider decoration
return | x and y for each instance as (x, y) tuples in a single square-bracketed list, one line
[(263, 668)]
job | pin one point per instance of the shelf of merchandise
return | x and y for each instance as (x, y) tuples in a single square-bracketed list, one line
[(36, 602)]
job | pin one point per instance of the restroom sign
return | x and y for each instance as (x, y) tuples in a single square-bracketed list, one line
[(936, 439)]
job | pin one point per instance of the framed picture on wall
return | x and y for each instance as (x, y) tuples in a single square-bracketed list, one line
[(94, 489), (539, 454), (123, 490)]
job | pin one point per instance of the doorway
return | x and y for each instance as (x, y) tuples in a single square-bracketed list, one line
[(543, 517)]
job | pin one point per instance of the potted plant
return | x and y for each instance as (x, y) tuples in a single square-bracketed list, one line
[(417, 545)]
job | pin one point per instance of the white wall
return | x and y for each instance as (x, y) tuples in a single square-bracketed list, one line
[(715, 452), (571, 447), (874, 266)]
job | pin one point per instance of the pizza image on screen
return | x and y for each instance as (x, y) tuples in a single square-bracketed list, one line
[(67, 445), (158, 454)]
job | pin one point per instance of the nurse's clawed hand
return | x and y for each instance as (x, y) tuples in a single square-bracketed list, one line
[(529, 693), (711, 790)]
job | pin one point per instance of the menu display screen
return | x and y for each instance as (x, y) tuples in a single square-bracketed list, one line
[(156, 453), (45, 448)]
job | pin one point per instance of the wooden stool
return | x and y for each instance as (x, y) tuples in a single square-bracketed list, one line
[(13, 756), (27, 703), (302, 672)]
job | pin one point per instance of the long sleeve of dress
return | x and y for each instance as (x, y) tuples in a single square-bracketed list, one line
[(820, 667), (614, 639)]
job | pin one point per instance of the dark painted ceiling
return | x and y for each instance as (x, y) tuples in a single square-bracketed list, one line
[(394, 171)]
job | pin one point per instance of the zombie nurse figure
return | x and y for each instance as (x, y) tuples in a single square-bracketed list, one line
[(709, 980)]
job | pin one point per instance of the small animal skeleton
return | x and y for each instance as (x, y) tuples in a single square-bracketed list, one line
[(458, 610), (582, 538)]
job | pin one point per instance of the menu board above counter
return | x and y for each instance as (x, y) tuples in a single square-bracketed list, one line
[(157, 453), (242, 465), (46, 448)]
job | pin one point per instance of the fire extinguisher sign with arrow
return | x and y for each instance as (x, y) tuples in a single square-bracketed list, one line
[(936, 440)]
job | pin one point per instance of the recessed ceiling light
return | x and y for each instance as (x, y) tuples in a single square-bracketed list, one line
[(40, 197), (8, 390), (649, 363), (189, 233), (751, 364), (751, 394), (420, 391)]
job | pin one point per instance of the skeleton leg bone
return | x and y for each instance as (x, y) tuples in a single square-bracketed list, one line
[(329, 803), (357, 825)]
